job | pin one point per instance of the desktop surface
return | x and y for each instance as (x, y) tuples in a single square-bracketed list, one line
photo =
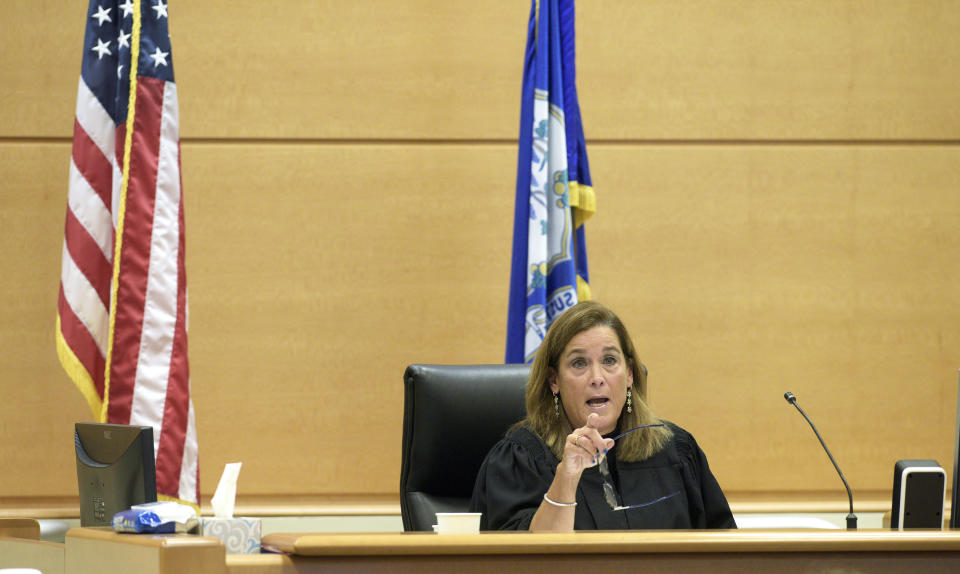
[(617, 542)]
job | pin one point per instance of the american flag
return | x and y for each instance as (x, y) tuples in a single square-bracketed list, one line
[(122, 313)]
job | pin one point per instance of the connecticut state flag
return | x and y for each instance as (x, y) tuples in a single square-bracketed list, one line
[(554, 192), (122, 312)]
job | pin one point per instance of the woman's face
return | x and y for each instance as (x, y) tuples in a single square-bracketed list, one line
[(592, 376)]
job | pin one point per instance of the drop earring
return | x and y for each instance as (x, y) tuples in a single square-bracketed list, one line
[(629, 402), (556, 405)]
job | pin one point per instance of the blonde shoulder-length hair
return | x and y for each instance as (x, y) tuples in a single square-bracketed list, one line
[(541, 414)]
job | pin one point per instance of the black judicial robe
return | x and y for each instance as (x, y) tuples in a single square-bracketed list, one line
[(518, 470)]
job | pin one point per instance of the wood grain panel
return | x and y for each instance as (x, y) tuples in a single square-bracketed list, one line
[(610, 543), (753, 69), (832, 272), (657, 552), (322, 272), (27, 528), (424, 69), (19, 553), (102, 550), (318, 272), (39, 405)]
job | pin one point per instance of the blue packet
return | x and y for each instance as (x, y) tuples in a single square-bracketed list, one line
[(162, 517), (141, 521)]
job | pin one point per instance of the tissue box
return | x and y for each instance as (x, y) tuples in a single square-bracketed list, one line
[(239, 535)]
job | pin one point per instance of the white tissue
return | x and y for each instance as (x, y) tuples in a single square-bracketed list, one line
[(225, 496)]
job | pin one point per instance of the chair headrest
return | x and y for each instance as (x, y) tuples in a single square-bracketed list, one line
[(453, 415)]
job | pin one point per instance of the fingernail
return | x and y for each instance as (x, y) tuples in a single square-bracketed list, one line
[(604, 451)]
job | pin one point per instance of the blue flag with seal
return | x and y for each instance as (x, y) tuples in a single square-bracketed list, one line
[(555, 196)]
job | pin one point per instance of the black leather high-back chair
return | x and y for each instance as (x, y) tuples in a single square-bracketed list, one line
[(452, 416)]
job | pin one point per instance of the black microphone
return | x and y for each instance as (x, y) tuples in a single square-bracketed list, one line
[(851, 518)]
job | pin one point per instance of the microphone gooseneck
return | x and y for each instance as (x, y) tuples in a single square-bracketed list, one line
[(851, 518)]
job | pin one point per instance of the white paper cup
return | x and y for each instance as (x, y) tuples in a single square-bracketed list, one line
[(458, 522)]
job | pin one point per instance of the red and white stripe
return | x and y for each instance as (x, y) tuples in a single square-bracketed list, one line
[(147, 381), (87, 264)]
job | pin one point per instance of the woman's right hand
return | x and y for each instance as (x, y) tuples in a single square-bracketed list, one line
[(581, 447), (580, 451)]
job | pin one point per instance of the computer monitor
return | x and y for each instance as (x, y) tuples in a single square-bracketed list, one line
[(954, 511), (115, 470)]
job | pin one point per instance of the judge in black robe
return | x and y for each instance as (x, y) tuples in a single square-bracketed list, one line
[(520, 468), (587, 413)]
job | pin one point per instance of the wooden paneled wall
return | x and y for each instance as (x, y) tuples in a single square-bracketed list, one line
[(778, 190)]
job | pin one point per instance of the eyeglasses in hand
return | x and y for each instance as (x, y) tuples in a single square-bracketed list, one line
[(609, 492)]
